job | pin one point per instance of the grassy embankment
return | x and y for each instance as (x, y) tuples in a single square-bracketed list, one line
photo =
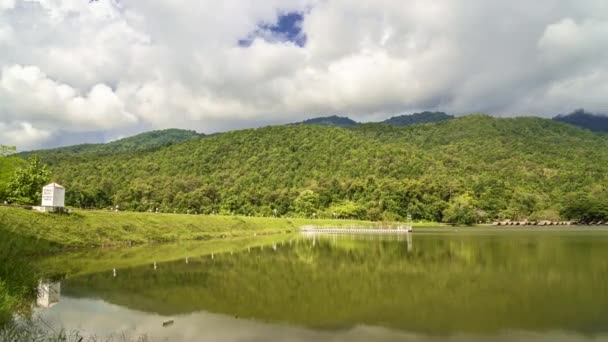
[(55, 232)]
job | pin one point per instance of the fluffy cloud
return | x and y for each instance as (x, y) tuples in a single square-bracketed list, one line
[(113, 67), (27, 93), (22, 134), (6, 4)]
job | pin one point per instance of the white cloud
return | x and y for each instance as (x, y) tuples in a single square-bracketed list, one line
[(6, 34), (568, 41), (7, 4), (22, 134), (119, 66), (28, 96)]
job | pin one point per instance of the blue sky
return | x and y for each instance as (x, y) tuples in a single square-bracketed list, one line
[(287, 28)]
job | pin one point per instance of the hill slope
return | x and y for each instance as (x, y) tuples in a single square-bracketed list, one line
[(140, 142), (334, 120), (401, 120), (513, 168), (580, 118)]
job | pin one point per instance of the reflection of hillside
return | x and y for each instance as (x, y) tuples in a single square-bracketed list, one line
[(462, 283)]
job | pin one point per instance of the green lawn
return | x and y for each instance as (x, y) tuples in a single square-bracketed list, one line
[(103, 228)]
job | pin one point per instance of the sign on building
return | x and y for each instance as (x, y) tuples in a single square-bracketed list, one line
[(53, 195)]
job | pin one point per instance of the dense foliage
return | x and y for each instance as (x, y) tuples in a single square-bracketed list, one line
[(580, 118), (417, 118), (25, 186), (8, 166), (511, 168)]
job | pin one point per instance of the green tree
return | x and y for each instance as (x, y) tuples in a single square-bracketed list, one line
[(461, 210), (306, 203), (25, 187), (348, 210), (586, 208)]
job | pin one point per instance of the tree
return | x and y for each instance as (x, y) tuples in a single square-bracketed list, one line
[(348, 210), (461, 210), (7, 150), (25, 187), (586, 207), (306, 203)]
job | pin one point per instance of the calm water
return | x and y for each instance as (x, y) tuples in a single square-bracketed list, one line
[(456, 285)]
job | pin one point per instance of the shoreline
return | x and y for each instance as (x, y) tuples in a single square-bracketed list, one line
[(44, 232)]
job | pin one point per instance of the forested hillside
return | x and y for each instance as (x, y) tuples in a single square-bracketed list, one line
[(334, 120), (473, 167), (144, 141)]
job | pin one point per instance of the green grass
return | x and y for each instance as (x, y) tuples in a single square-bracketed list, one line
[(52, 232)]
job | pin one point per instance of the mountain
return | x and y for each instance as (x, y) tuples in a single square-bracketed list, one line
[(580, 118), (140, 142), (334, 120), (474, 165), (401, 120), (417, 118)]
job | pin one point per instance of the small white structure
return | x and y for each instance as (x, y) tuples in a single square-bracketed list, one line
[(49, 293), (53, 195), (53, 199)]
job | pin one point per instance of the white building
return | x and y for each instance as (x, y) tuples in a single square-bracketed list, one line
[(53, 195)]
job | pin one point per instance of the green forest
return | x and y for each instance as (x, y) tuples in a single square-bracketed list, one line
[(474, 168)]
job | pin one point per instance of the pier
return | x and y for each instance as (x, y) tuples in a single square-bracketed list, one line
[(356, 230)]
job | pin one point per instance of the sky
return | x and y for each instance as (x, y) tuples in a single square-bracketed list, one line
[(88, 71)]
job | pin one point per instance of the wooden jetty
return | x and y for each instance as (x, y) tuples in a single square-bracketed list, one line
[(356, 230)]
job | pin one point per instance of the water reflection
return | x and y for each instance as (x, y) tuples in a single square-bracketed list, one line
[(334, 238), (102, 319), (450, 285), (48, 294)]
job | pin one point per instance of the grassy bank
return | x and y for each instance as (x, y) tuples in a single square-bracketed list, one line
[(53, 232)]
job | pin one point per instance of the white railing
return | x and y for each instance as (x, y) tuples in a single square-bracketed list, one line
[(356, 230)]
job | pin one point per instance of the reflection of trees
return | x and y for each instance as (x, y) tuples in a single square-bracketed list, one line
[(473, 283), (18, 277)]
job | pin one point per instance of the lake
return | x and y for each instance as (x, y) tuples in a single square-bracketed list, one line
[(456, 284)]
